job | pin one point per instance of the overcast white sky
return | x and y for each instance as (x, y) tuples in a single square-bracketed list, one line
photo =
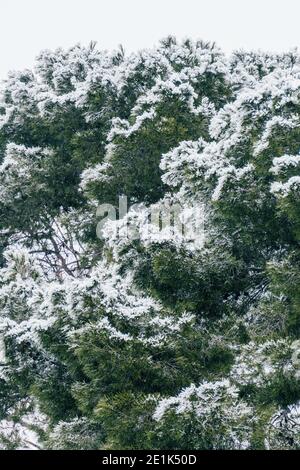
[(27, 26)]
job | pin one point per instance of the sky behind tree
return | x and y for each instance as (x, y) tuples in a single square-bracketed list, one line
[(31, 25)]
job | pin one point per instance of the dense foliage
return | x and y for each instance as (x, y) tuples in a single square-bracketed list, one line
[(159, 340)]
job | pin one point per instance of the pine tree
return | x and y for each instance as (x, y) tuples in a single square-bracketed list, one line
[(166, 339)]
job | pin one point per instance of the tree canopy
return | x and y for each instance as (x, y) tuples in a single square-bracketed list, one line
[(161, 340)]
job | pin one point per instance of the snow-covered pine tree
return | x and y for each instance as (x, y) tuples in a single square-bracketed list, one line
[(161, 341)]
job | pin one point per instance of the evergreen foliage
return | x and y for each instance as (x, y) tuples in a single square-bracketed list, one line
[(157, 342)]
